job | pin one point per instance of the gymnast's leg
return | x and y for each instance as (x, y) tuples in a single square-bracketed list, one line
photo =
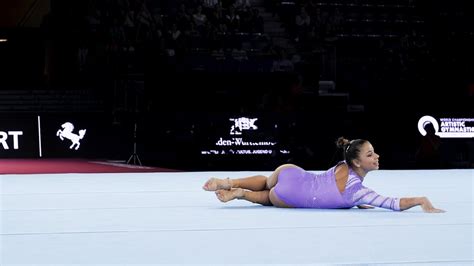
[(256, 189), (260, 197), (254, 183)]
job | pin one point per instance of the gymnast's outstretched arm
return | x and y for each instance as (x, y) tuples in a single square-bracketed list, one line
[(424, 202)]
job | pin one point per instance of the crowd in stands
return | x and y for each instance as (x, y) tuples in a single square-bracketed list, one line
[(357, 43), (188, 53), (172, 29)]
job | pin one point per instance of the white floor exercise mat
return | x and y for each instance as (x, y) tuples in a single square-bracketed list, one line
[(166, 218)]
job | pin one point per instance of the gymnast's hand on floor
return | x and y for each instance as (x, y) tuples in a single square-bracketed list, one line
[(428, 207), (423, 202)]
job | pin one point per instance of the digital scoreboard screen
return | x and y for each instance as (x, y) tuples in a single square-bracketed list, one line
[(243, 136)]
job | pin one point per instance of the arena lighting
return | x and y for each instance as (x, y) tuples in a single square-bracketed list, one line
[(448, 127)]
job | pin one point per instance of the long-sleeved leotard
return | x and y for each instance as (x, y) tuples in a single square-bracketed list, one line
[(302, 189)]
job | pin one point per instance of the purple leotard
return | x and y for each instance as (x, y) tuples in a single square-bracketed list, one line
[(302, 189)]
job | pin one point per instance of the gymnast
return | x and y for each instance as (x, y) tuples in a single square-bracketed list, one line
[(290, 186)]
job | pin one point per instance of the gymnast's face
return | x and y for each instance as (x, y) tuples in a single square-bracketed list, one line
[(368, 160)]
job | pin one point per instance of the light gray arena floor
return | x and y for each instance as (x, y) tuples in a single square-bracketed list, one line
[(166, 218)]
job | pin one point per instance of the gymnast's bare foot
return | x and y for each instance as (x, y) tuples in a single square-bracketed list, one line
[(228, 195), (214, 184)]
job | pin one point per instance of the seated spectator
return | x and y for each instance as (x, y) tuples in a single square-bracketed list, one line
[(302, 24), (199, 19), (239, 54), (282, 63), (232, 20)]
